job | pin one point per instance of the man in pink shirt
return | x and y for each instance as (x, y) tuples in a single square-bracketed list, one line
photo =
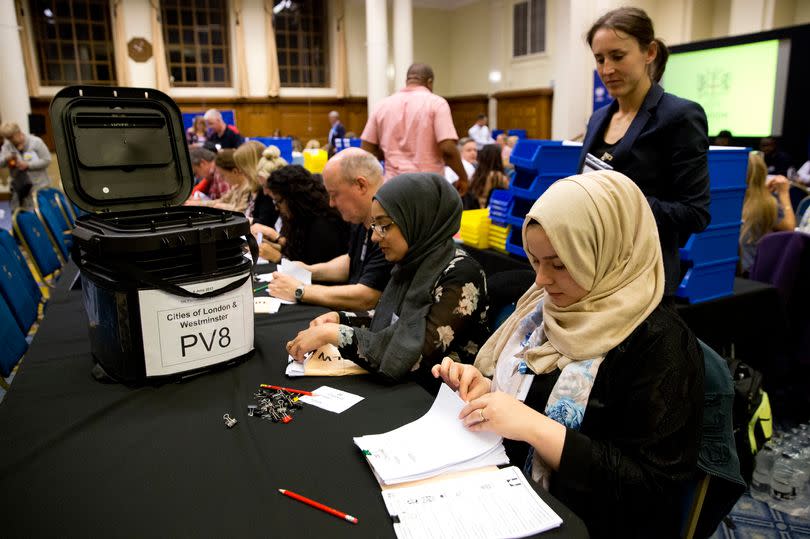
[(413, 131)]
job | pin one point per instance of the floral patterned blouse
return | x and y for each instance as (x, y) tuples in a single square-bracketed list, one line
[(456, 322)]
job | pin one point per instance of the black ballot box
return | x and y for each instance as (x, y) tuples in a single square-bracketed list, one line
[(167, 288)]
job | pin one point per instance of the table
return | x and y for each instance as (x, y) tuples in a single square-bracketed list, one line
[(86, 459), (749, 325)]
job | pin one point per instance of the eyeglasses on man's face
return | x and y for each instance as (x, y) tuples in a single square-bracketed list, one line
[(381, 229)]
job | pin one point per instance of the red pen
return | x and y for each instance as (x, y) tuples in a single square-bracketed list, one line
[(299, 391), (317, 505)]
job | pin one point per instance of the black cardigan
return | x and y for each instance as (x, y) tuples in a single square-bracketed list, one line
[(624, 472)]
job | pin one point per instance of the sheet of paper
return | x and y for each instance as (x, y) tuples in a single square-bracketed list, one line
[(432, 444), (266, 305), (295, 271), (264, 277), (325, 361), (331, 399), (498, 503)]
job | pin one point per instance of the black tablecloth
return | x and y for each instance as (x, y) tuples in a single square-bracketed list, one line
[(86, 459), (749, 325)]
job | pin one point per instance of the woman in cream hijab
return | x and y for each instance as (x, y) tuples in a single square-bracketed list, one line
[(602, 381)]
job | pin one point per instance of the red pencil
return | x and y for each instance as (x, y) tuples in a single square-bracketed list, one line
[(299, 391), (317, 505)]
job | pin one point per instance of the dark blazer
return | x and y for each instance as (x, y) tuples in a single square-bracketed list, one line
[(337, 131), (665, 153)]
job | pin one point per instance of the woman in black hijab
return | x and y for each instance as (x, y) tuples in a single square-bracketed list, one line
[(436, 302)]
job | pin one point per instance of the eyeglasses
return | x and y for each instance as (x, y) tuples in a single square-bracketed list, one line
[(381, 230)]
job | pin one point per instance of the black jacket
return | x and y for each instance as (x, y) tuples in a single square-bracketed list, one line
[(626, 471), (665, 153)]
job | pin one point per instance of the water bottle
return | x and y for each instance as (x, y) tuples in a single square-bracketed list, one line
[(789, 480), (763, 467)]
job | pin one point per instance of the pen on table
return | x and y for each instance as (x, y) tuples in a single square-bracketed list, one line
[(262, 287), (316, 505), (289, 389)]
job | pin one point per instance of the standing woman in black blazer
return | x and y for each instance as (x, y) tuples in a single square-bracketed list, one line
[(658, 140)]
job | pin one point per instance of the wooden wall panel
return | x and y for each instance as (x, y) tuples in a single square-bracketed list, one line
[(526, 109), (307, 118), (302, 118), (465, 110)]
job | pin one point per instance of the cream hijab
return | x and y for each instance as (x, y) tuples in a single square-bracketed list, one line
[(601, 226)]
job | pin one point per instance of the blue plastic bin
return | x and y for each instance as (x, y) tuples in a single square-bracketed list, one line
[(726, 205), (514, 243), (546, 156), (704, 282), (520, 133), (499, 202), (523, 185), (727, 168), (518, 210), (717, 242)]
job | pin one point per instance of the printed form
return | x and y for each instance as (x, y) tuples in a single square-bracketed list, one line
[(488, 504)]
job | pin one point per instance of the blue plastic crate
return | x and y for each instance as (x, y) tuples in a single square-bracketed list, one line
[(532, 188), (727, 168), (704, 282), (717, 242), (520, 133), (545, 156), (514, 243), (518, 210), (726, 205)]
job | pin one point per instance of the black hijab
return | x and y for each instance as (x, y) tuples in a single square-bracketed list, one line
[(427, 209)]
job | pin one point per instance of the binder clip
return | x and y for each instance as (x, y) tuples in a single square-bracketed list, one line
[(229, 421)]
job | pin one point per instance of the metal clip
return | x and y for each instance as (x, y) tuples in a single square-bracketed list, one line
[(229, 421)]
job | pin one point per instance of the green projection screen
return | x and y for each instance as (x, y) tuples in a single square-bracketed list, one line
[(738, 86)]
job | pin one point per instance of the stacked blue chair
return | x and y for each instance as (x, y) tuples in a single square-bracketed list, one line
[(14, 343), (58, 225), (65, 206), (32, 234), (18, 298), (11, 257), (538, 164), (712, 254), (284, 144)]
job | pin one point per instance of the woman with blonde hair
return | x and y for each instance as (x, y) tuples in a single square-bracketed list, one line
[(266, 219), (238, 168), (766, 208)]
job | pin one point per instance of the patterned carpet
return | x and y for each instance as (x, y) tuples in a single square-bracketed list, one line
[(752, 519)]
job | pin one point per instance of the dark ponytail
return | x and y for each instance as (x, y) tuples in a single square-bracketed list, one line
[(634, 22)]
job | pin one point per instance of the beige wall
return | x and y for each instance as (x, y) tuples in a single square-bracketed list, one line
[(802, 13), (431, 36)]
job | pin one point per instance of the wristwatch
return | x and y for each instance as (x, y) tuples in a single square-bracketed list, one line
[(299, 293)]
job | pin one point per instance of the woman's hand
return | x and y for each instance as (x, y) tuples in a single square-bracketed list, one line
[(270, 251), (328, 318), (468, 380), (502, 414), (778, 185), (312, 339)]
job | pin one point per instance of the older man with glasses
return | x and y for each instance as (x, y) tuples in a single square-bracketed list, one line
[(351, 178)]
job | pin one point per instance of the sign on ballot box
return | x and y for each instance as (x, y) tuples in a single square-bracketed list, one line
[(180, 334)]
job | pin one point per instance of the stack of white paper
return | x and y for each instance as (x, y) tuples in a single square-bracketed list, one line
[(497, 503), (435, 443)]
